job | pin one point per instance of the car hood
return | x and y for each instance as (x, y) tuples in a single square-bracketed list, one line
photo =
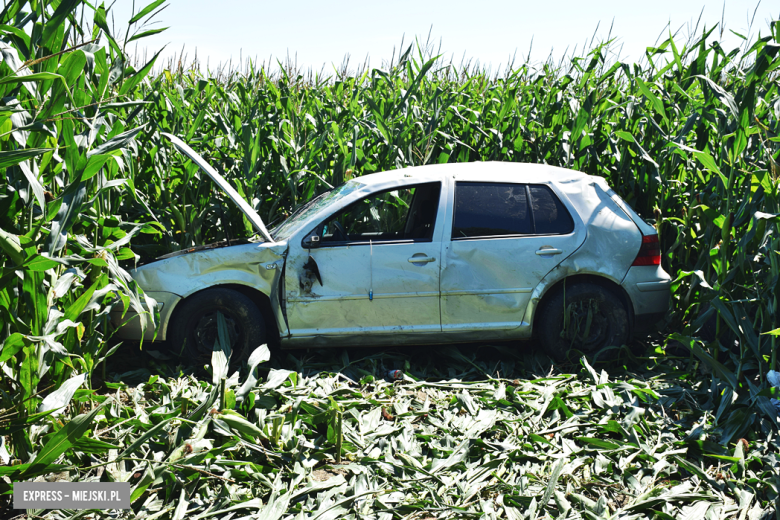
[(245, 208)]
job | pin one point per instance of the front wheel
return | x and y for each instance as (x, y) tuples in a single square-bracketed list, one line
[(194, 330), (586, 317)]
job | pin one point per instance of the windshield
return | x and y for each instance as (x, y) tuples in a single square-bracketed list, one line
[(290, 226)]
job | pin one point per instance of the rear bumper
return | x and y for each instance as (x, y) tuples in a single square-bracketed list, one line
[(129, 325), (649, 288)]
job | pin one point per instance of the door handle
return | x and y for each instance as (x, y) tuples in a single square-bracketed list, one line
[(421, 259), (550, 251)]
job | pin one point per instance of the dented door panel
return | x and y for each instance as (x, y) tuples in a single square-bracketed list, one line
[(374, 293), (487, 283), (363, 293)]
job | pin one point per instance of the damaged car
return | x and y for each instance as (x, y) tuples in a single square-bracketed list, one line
[(483, 251)]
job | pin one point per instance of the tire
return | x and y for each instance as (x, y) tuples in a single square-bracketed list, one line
[(610, 322), (194, 328)]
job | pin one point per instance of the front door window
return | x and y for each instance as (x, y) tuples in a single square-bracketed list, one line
[(390, 216)]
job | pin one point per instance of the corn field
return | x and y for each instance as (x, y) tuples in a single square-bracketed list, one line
[(689, 136)]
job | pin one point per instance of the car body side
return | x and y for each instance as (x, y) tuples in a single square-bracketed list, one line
[(606, 232)]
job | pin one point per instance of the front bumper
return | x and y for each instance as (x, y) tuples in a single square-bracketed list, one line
[(129, 325)]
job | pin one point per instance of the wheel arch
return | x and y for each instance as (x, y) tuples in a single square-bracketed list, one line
[(552, 289), (259, 298)]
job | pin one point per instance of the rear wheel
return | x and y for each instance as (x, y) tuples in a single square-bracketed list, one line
[(586, 317), (194, 330)]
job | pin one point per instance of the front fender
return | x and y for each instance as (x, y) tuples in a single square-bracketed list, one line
[(128, 323), (258, 266)]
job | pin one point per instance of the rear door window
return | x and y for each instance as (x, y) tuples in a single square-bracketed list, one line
[(488, 209), (484, 209)]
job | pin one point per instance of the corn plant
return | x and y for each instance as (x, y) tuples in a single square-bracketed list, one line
[(67, 144), (688, 135)]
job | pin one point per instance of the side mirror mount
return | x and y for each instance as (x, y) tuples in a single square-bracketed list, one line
[(311, 242)]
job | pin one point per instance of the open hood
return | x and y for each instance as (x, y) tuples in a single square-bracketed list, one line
[(250, 214)]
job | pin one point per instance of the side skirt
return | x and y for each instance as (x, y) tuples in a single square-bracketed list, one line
[(396, 338)]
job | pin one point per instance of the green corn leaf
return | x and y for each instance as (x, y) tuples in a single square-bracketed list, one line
[(41, 263), (719, 368), (73, 311), (24, 423), (655, 101), (94, 163), (38, 76), (556, 473), (28, 376), (100, 20), (14, 157), (34, 296), (144, 34), (598, 443), (11, 246), (67, 216), (146, 10), (53, 24), (142, 439), (65, 439), (11, 345), (727, 315), (131, 82)]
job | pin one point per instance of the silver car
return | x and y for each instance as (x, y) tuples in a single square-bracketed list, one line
[(431, 254)]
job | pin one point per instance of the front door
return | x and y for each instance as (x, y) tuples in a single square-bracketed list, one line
[(378, 263), (505, 238)]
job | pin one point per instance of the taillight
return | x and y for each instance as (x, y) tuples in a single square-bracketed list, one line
[(650, 252)]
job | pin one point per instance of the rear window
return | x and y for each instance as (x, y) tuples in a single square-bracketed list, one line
[(488, 209)]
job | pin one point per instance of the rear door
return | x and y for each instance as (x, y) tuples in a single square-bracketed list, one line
[(504, 238)]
